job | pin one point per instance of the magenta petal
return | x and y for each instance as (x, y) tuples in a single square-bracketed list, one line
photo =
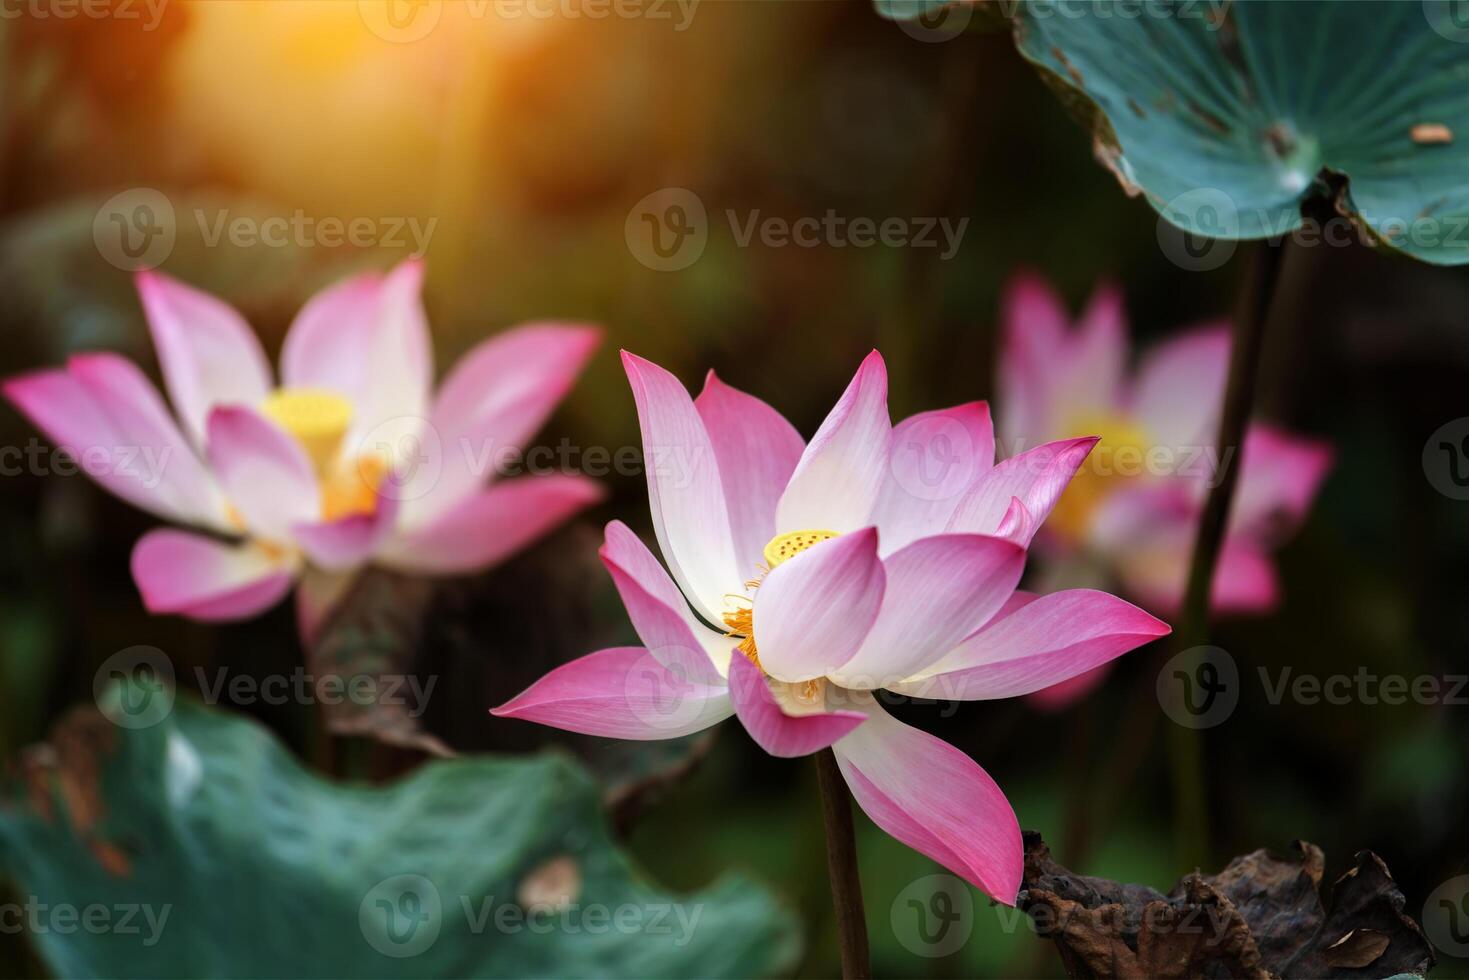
[(813, 611), (836, 484), (934, 460), (1068, 692), (1034, 334), (1278, 482), (264, 472), (207, 351), (757, 451), (199, 577), (685, 488), (347, 542), (108, 440), (623, 692), (1047, 641), (657, 609), (1180, 388), (367, 339), (489, 407), (491, 525), (939, 590), (778, 733), (935, 799), (140, 419), (1037, 477)]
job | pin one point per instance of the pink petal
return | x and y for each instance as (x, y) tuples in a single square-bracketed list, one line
[(347, 542), (137, 414), (780, 734), (935, 799), (1156, 574), (1278, 483), (757, 451), (1017, 525), (685, 489), (935, 459), (939, 590), (1180, 386), (1244, 580), (120, 435), (623, 692), (491, 525), (813, 611), (491, 404), (199, 577), (1069, 692), (1035, 327), (367, 339), (1092, 376), (1045, 642), (264, 472), (207, 351), (1036, 477), (836, 484), (658, 611)]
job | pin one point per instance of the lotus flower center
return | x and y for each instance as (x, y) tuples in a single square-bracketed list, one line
[(784, 547), (740, 618), (318, 420), (1122, 454)]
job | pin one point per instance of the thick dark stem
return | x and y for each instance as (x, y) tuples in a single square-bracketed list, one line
[(841, 861), (1191, 813)]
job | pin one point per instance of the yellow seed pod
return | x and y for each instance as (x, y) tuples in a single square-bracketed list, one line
[(786, 546)]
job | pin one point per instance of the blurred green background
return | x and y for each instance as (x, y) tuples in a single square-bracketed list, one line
[(528, 140)]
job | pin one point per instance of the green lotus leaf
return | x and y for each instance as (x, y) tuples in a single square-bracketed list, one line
[(1229, 116), (197, 846)]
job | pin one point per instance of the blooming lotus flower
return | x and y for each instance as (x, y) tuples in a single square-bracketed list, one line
[(802, 578), (348, 460), (1131, 514)]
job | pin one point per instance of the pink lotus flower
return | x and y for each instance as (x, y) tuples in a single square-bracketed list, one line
[(805, 577), (347, 461), (1131, 513)]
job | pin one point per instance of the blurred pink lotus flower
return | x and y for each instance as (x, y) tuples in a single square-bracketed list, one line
[(348, 460), (830, 570), (1130, 515)]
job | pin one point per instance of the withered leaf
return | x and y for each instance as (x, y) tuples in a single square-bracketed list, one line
[(1262, 917)]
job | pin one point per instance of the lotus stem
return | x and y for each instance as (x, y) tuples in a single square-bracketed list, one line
[(1185, 750), (841, 862)]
